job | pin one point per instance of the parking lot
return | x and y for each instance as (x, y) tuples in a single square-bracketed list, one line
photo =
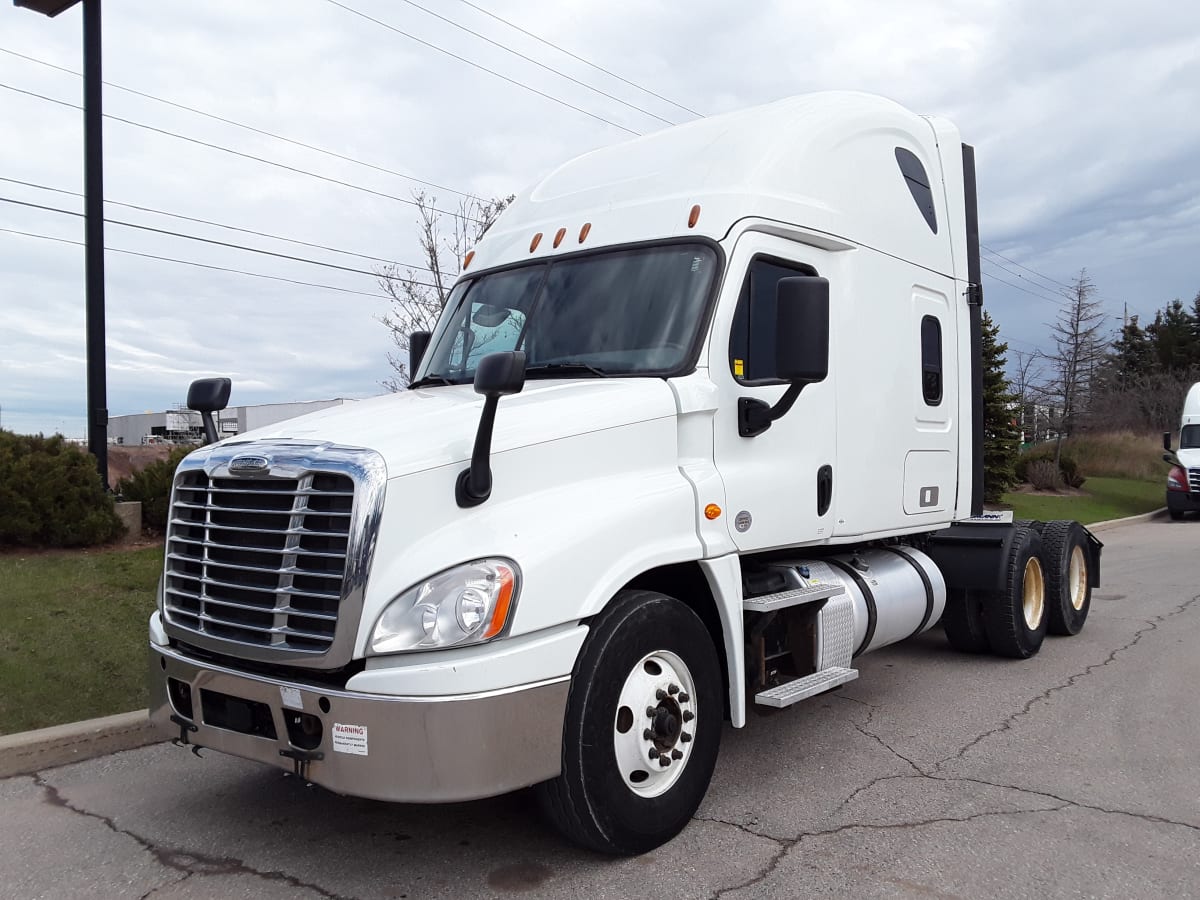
[(935, 774)]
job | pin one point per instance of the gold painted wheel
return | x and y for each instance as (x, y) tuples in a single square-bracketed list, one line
[(1033, 594), (1077, 577)]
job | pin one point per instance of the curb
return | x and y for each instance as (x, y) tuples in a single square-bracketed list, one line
[(1159, 513), (31, 751)]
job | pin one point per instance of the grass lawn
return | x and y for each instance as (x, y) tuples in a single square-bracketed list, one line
[(1102, 499), (73, 634)]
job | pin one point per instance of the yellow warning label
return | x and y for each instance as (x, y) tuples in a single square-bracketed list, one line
[(739, 368)]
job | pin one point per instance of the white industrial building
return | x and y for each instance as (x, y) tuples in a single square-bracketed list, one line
[(183, 425)]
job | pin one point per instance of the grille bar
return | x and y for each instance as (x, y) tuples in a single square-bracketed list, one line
[(1194, 480), (259, 561)]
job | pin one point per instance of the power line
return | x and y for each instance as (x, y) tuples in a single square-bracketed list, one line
[(227, 244), (1026, 268), (482, 68), (586, 62), (199, 265), (1021, 288), (540, 65), (264, 132), (230, 150), (1000, 265), (263, 234)]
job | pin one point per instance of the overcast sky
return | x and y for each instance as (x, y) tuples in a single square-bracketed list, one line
[(1085, 117)]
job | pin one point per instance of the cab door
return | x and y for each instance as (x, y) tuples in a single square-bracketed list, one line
[(780, 485)]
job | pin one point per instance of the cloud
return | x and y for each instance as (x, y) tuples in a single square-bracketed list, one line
[(1083, 120)]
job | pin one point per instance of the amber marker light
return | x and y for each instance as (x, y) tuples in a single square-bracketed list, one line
[(583, 232), (537, 239), (503, 602), (712, 511), (467, 259), (694, 216), (558, 237)]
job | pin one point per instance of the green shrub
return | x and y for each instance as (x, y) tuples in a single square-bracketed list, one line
[(1067, 466), (51, 494), (152, 487)]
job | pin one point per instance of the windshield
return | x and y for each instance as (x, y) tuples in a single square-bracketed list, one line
[(624, 312), (1189, 437)]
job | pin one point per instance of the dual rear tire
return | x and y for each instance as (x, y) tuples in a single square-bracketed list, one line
[(1046, 588)]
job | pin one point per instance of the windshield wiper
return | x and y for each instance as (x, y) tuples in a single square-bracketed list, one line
[(430, 379), (563, 368)]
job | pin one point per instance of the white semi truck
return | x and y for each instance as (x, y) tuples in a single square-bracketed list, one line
[(1183, 480), (701, 423)]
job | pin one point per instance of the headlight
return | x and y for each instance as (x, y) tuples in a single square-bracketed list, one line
[(468, 604)]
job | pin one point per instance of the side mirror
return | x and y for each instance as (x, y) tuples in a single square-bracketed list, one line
[(801, 349), (207, 396), (499, 374), (418, 343), (1167, 441), (802, 329), (496, 376)]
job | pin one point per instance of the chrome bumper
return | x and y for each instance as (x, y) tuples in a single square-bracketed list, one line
[(408, 749)]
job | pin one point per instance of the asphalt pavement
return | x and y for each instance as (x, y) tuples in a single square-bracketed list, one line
[(1076, 773)]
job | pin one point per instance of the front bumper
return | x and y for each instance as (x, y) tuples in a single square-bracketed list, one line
[(408, 749), (1182, 501)]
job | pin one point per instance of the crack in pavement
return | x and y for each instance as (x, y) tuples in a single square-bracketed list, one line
[(786, 845), (1150, 626), (189, 863), (162, 887)]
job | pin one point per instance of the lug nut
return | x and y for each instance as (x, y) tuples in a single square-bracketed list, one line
[(663, 761), (684, 698), (684, 737), (688, 715), (676, 754), (651, 711), (654, 753), (647, 734), (660, 694), (673, 689)]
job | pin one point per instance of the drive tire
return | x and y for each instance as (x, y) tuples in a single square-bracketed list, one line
[(1068, 583), (962, 621), (591, 801), (1015, 616), (1176, 515)]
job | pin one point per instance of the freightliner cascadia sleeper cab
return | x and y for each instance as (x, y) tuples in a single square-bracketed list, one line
[(700, 424)]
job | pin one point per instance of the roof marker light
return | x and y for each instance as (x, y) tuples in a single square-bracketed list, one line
[(583, 232), (694, 216), (467, 259), (537, 239), (558, 237)]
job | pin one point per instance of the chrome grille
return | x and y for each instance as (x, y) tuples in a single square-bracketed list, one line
[(1194, 480), (259, 561)]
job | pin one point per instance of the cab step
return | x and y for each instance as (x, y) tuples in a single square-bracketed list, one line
[(792, 597), (802, 688)]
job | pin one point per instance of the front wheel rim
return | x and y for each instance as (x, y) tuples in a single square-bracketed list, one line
[(655, 723), (1033, 594)]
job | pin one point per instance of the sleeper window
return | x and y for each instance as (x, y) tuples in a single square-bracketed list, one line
[(931, 360)]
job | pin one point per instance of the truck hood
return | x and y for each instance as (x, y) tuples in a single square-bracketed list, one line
[(423, 429), (1189, 459)]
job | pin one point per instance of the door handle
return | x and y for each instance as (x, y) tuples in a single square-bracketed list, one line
[(824, 489)]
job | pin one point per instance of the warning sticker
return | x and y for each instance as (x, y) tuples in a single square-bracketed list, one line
[(350, 739), (290, 697)]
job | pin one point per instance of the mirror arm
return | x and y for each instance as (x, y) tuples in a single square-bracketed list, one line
[(210, 427), (474, 484), (755, 416)]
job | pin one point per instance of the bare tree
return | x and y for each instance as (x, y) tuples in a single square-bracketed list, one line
[(1079, 347), (418, 295), (1024, 383)]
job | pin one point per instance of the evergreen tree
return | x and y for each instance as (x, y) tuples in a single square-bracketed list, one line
[(1001, 440), (1133, 354), (1171, 334)]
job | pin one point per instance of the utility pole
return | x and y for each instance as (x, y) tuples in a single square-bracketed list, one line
[(93, 187)]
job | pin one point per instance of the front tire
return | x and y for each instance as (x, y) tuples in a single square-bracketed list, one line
[(642, 728)]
